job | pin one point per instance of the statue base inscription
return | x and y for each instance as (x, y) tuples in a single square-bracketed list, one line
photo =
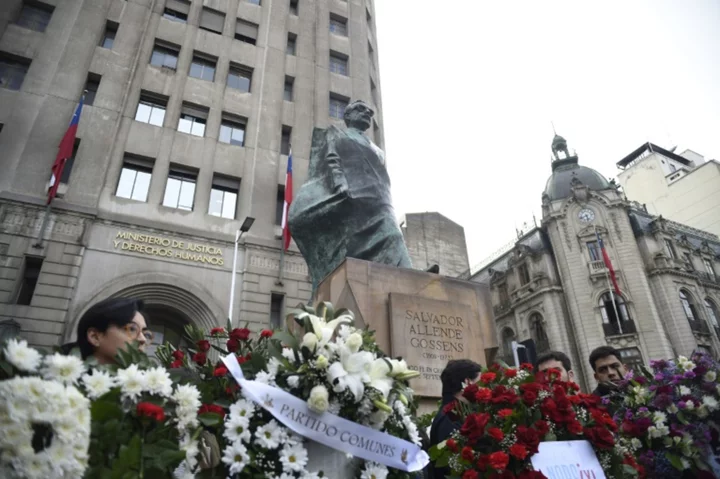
[(426, 318)]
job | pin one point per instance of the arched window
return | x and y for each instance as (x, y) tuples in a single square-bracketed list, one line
[(615, 315), (508, 336), (712, 312), (691, 312), (537, 331)]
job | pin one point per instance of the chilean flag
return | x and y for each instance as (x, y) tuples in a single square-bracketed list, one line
[(64, 152), (286, 204), (608, 264)]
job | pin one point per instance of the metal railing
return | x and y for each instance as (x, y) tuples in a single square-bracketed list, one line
[(612, 329)]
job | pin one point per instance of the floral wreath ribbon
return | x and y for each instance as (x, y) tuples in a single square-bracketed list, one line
[(329, 429)]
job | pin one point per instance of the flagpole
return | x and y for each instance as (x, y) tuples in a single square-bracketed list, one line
[(611, 291), (286, 213)]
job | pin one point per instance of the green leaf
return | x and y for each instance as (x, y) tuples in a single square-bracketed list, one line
[(287, 338), (210, 419), (674, 460), (629, 471)]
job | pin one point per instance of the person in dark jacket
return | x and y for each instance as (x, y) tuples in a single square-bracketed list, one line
[(609, 369), (455, 374)]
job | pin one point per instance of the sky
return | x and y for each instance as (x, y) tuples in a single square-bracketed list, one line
[(470, 88)]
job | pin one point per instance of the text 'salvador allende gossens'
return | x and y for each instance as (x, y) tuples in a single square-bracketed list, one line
[(437, 332)]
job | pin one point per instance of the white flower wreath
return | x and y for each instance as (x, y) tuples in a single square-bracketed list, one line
[(27, 403)]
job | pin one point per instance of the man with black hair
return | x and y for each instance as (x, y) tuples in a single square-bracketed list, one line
[(453, 377), (556, 360), (608, 367)]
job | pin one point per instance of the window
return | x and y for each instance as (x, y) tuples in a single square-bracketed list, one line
[(239, 77), (373, 92), (709, 268), (508, 336), (203, 67), (537, 331), (108, 39), (276, 308), (688, 261), (503, 293), (246, 31), (177, 10), (35, 16), (285, 140), (223, 197), (337, 106), (67, 169), (212, 20), (688, 305), (31, 273), (165, 55), (91, 87), (288, 92), (594, 251), (293, 7), (180, 189), (611, 310), (232, 130), (291, 44), (631, 357), (371, 55), (712, 312), (254, 2), (151, 109), (12, 71), (279, 205), (135, 176), (193, 119), (523, 274), (670, 249), (338, 25), (338, 63)]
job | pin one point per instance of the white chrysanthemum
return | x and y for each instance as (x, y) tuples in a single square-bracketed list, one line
[(187, 397), (685, 391), (685, 363), (273, 365), (710, 376), (131, 381), (289, 354), (658, 431), (157, 381), (293, 458), (710, 402), (659, 418), (242, 407), (374, 470), (268, 435), (636, 443), (236, 457), (97, 383), (21, 356), (344, 331), (183, 472), (64, 369), (293, 381), (264, 377), (237, 429)]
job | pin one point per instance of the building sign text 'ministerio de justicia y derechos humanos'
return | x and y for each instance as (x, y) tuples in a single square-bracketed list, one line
[(168, 248)]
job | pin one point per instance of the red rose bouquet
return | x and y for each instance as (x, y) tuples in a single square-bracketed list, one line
[(508, 412)]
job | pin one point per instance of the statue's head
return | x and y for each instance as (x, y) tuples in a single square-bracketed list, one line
[(358, 114)]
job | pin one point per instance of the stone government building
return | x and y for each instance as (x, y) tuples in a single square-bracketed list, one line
[(552, 286), (190, 111)]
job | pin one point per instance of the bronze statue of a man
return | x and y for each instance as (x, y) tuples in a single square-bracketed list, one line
[(344, 209)]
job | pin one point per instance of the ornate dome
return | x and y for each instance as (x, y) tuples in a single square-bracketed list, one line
[(566, 170)]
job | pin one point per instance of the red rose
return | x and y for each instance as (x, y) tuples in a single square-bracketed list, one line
[(600, 437), (266, 333), (502, 475), (243, 359), (488, 377), (176, 364), (469, 392), (470, 475), (510, 373), (483, 462), (496, 434), (467, 453), (575, 427), (528, 437), (474, 426), (200, 358), (529, 397), (220, 371), (526, 367), (215, 331), (503, 395), (230, 390), (178, 355), (452, 445), (499, 460), (150, 410), (542, 427), (241, 334), (531, 475), (503, 413), (449, 407), (483, 395), (519, 452), (211, 408), (232, 345), (203, 345)]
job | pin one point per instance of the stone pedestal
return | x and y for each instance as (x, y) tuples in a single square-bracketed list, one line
[(426, 318)]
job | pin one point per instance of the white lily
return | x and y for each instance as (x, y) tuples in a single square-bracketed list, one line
[(351, 372), (379, 376), (324, 331)]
